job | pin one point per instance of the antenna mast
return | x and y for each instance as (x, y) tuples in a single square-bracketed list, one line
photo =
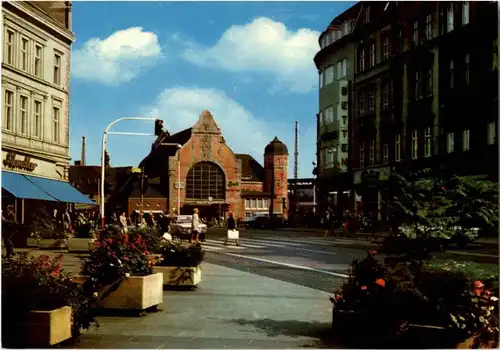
[(83, 151), (296, 154)]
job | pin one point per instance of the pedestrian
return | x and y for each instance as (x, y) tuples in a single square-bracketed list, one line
[(9, 222), (327, 222), (124, 223), (195, 227), (66, 222), (231, 230)]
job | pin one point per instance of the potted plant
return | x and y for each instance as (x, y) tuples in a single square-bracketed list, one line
[(119, 270), (41, 305), (84, 236), (179, 263)]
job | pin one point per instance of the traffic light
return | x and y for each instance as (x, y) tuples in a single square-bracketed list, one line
[(106, 158), (158, 127), (144, 185)]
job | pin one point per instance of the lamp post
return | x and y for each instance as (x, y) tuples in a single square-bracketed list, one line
[(103, 155), (179, 146), (314, 190)]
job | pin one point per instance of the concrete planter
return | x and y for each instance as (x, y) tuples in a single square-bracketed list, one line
[(80, 244), (133, 293), (179, 276), (32, 242), (47, 328), (51, 243)]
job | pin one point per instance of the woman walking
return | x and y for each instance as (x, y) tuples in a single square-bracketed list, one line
[(231, 226), (195, 227)]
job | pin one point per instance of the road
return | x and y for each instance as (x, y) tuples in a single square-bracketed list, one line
[(304, 260)]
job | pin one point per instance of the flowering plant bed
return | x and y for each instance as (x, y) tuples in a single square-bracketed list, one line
[(42, 304), (119, 272), (396, 304)]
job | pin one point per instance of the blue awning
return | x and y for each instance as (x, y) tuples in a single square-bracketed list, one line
[(61, 190), (21, 187)]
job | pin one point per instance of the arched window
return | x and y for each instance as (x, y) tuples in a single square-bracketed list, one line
[(205, 179)]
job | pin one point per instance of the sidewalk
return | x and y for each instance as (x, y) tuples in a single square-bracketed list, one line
[(230, 309)]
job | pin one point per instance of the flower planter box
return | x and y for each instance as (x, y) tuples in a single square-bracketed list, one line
[(32, 242), (134, 293), (51, 243), (179, 276), (46, 328), (80, 244)]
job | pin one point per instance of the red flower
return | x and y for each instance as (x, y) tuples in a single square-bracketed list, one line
[(373, 252), (380, 282), (363, 287), (126, 258), (478, 284), (146, 252), (338, 297), (109, 240), (486, 294), (113, 254), (56, 272)]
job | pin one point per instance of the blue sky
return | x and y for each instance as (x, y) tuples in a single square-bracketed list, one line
[(249, 63)]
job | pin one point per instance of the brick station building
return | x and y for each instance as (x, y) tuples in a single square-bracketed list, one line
[(196, 168)]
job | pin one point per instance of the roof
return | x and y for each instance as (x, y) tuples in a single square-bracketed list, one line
[(152, 192), (86, 177), (276, 147), (251, 170), (181, 137)]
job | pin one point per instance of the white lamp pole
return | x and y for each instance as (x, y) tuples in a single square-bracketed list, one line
[(179, 146), (314, 190), (103, 154)]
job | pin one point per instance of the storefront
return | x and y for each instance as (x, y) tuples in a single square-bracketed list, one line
[(371, 197), (29, 183)]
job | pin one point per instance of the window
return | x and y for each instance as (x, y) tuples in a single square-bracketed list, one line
[(23, 115), (341, 68), (466, 140), (361, 59), (329, 117), (38, 61), (37, 119), (385, 154), (362, 155), (57, 69), (55, 124), (329, 75), (428, 27), (344, 67), (372, 152), (397, 148), (416, 87), (367, 14), (467, 68), (494, 56), (24, 54), (9, 110), (385, 96), (385, 47), (415, 33), (206, 179), (247, 203), (397, 46), (321, 79), (329, 157), (451, 74), (465, 13), (372, 55), (253, 203), (321, 118), (449, 18), (428, 142), (260, 205), (362, 103), (371, 101), (414, 144), (428, 81), (492, 131), (327, 39), (450, 144), (9, 43)]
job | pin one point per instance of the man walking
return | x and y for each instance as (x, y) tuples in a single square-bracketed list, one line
[(8, 229), (231, 226), (124, 223), (328, 222), (195, 227)]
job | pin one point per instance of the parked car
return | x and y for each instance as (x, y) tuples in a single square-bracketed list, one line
[(182, 228)]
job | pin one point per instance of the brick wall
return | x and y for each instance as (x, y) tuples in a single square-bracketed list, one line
[(149, 204), (278, 164)]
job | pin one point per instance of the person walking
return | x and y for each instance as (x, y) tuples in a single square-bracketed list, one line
[(327, 222), (195, 227), (9, 223), (124, 223), (231, 226)]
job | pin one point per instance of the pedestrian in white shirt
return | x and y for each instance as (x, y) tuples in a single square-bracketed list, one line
[(195, 227), (124, 223)]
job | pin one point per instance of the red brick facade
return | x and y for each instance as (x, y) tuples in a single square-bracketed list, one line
[(205, 143)]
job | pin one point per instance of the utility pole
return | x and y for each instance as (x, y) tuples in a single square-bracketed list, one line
[(271, 208), (142, 193)]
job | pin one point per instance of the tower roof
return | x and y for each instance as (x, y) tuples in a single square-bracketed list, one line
[(276, 147)]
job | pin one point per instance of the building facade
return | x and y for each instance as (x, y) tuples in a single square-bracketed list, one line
[(335, 64), (425, 93), (37, 40), (195, 168)]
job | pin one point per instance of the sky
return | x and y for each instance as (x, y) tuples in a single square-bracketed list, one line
[(249, 63)]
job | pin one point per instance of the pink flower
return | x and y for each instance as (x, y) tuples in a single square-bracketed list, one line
[(363, 287), (126, 258), (486, 294), (373, 252)]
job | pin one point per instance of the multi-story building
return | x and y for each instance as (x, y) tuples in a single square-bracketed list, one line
[(37, 40), (335, 63), (425, 93)]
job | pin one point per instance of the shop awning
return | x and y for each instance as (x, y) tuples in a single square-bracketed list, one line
[(61, 190), (21, 187)]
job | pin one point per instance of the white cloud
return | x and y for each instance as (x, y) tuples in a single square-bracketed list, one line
[(181, 107), (117, 59), (264, 46)]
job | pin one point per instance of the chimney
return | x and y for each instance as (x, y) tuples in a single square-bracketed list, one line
[(77, 162), (83, 151)]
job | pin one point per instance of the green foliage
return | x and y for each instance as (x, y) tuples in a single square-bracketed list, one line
[(180, 255), (44, 226), (30, 283)]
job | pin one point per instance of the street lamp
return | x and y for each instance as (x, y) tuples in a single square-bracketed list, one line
[(179, 146), (103, 154)]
